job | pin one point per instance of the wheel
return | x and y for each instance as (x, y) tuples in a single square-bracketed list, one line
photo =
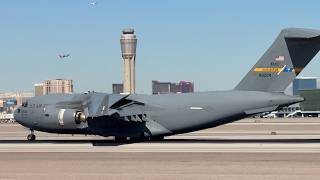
[(138, 139), (31, 137), (120, 139), (156, 138)]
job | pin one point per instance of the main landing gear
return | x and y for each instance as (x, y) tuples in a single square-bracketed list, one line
[(120, 139), (123, 139), (31, 136)]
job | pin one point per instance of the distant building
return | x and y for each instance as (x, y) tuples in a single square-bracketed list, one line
[(39, 89), (169, 87), (117, 88), (163, 87), (312, 100), (10, 101), (303, 83), (58, 86), (185, 87)]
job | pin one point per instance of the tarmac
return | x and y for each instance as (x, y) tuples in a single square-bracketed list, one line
[(247, 149)]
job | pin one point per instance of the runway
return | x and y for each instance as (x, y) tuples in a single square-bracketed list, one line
[(248, 149), (249, 135), (159, 166)]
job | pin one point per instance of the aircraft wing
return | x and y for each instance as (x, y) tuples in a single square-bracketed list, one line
[(118, 106)]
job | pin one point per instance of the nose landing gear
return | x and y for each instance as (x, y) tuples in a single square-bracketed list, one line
[(31, 136)]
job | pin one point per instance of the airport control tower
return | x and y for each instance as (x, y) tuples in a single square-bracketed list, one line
[(128, 47)]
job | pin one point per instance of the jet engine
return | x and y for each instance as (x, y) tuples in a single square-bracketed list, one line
[(71, 116), (68, 118)]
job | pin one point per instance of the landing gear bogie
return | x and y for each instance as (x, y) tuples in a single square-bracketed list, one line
[(120, 139), (31, 136), (156, 138)]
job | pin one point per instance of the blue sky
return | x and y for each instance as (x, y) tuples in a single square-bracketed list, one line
[(213, 43)]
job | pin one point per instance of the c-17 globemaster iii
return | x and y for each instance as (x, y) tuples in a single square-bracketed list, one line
[(152, 117)]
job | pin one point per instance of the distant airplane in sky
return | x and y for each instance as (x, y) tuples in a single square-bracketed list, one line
[(93, 3), (62, 56)]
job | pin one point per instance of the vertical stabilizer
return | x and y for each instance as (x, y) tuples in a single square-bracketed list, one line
[(289, 54)]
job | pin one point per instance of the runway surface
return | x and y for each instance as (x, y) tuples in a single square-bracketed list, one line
[(248, 149)]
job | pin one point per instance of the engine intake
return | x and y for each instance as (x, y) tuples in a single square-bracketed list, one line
[(80, 117)]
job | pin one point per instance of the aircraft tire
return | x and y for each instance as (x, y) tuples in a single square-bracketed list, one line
[(139, 139), (31, 137), (156, 138), (120, 139)]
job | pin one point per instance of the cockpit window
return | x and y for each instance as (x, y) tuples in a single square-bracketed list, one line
[(25, 104)]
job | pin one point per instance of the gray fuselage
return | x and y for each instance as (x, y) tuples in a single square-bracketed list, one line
[(163, 115)]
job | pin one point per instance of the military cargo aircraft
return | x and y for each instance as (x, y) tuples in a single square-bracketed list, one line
[(152, 117)]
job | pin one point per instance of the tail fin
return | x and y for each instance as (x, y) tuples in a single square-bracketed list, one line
[(292, 50)]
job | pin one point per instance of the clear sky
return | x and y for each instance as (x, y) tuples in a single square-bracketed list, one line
[(213, 43)]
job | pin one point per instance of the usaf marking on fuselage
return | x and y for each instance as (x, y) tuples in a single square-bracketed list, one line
[(142, 117)]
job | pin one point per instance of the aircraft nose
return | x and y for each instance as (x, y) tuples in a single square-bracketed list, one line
[(16, 114)]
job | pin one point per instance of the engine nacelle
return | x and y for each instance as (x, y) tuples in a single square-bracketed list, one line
[(70, 117)]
